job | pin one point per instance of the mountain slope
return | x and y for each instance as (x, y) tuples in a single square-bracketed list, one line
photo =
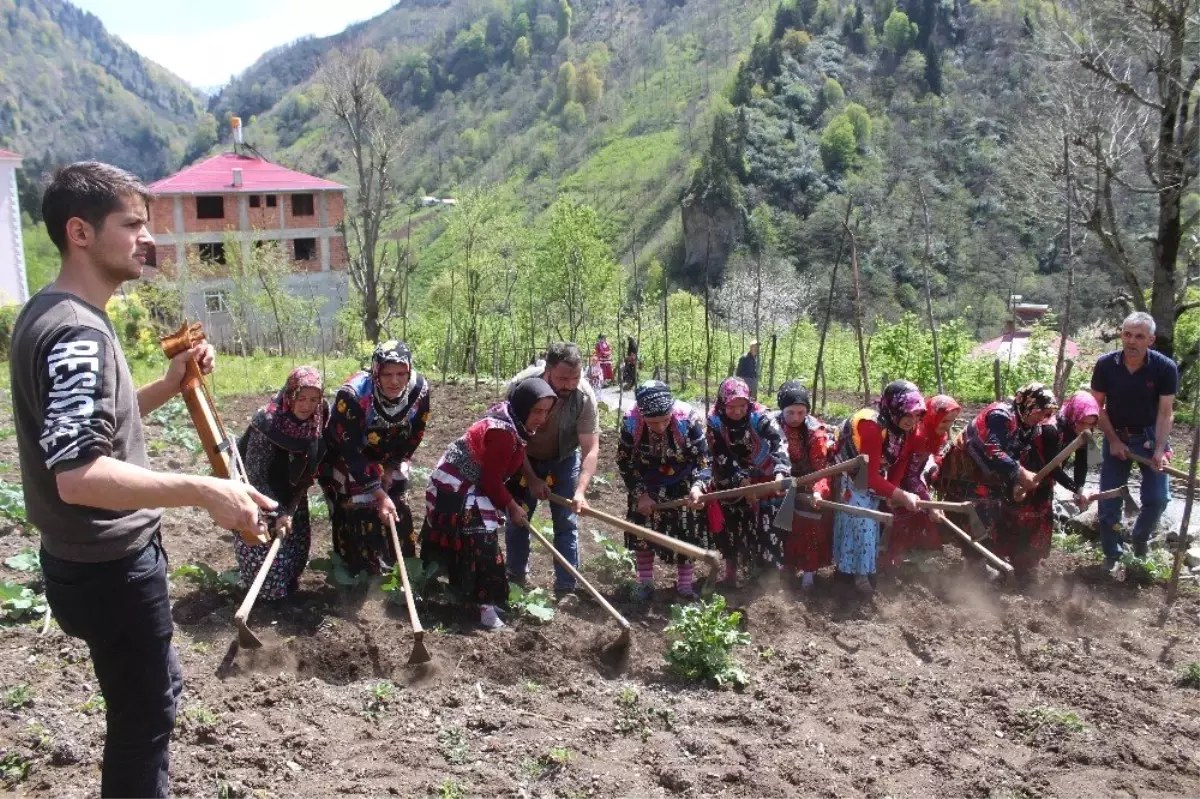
[(408, 24), (70, 90)]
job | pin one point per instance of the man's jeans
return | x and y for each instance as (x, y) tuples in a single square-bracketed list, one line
[(566, 524), (121, 610), (1115, 473)]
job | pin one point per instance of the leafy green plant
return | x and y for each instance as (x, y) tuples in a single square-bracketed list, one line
[(452, 743), (18, 696), (450, 789), (1071, 543), (379, 696), (12, 503), (27, 560), (633, 717), (702, 638), (535, 604), (94, 704), (615, 562), (1154, 568), (420, 578), (336, 572), (202, 715), (17, 602), (208, 578), (1189, 675), (14, 768)]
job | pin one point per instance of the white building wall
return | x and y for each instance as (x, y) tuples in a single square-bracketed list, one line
[(13, 286), (242, 325)]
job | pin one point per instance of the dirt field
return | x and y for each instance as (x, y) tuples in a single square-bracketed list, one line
[(942, 686)]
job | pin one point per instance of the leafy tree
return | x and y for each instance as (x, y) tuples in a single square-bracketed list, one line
[(589, 88), (898, 33), (521, 52), (574, 116), (832, 93), (796, 43), (564, 19), (565, 87), (203, 140), (933, 67), (861, 121), (839, 145), (576, 272)]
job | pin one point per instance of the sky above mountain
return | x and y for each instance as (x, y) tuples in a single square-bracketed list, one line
[(207, 42)]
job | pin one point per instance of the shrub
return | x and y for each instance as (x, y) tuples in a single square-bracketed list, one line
[(702, 637)]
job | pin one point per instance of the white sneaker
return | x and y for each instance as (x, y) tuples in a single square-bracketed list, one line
[(489, 619)]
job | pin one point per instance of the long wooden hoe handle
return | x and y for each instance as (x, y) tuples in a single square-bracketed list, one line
[(413, 619), (1171, 470), (1002, 565), (674, 544), (1055, 462), (591, 589), (765, 488)]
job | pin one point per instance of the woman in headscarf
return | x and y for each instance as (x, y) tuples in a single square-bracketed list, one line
[(281, 450), (810, 445), (1028, 526), (663, 455), (629, 368), (918, 530), (747, 447), (467, 495), (377, 423), (604, 356), (879, 433), (984, 464)]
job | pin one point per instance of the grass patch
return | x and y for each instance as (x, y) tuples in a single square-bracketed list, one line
[(238, 375), (1045, 722)]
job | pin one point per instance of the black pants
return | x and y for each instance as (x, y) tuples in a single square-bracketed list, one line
[(122, 612)]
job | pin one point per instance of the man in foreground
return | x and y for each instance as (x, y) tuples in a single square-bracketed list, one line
[(85, 474), (1135, 387), (561, 457)]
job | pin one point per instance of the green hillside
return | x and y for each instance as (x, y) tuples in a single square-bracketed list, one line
[(69, 90)]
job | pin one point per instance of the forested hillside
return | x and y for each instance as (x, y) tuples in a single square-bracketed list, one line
[(70, 90)]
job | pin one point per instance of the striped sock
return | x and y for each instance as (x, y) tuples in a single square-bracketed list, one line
[(683, 578), (645, 567)]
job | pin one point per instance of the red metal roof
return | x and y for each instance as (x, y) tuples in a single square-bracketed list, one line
[(9, 154), (215, 176), (1020, 341)]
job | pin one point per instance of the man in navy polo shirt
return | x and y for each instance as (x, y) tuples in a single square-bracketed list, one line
[(1135, 387)]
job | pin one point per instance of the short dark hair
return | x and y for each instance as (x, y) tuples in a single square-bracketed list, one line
[(563, 352), (89, 190)]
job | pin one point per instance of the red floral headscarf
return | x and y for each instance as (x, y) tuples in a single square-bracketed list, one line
[(937, 408)]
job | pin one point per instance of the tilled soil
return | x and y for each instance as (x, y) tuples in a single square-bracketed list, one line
[(942, 685)]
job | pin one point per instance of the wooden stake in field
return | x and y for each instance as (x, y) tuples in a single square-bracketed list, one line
[(1060, 376), (937, 356), (858, 314), (1184, 525), (819, 368)]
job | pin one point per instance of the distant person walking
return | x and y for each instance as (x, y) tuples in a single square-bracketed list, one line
[(747, 369), (1135, 388), (604, 356)]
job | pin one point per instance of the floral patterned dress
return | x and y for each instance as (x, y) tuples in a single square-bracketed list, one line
[(810, 448), (752, 450), (281, 455), (665, 467), (367, 451), (463, 506)]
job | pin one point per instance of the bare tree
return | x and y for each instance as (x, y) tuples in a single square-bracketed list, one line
[(372, 139), (1122, 79)]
